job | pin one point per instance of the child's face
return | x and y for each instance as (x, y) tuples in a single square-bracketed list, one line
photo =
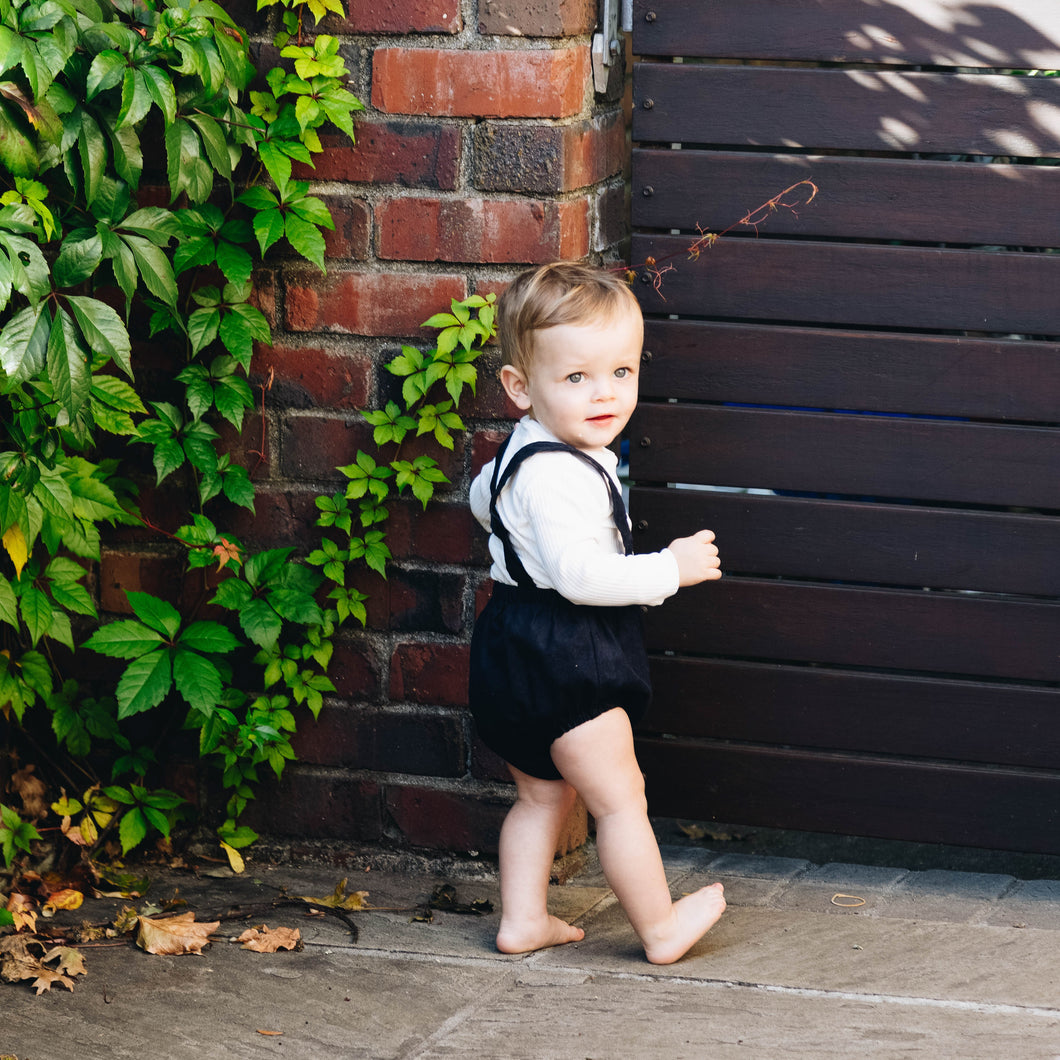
[(582, 385)]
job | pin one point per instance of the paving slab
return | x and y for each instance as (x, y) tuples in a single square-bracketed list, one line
[(853, 954), (783, 974), (607, 1018)]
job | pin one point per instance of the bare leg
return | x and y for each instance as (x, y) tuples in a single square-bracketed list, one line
[(598, 760), (527, 847)]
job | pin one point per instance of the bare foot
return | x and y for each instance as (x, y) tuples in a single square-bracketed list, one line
[(536, 935), (692, 917)]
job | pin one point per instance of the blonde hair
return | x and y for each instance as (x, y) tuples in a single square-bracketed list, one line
[(565, 292)]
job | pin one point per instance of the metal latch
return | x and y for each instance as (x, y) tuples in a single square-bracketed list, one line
[(606, 45)]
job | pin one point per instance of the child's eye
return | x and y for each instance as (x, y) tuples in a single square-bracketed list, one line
[(574, 377), (621, 373)]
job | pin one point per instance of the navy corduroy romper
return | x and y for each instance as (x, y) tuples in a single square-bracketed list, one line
[(540, 664)]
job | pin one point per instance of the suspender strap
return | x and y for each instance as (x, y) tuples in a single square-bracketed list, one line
[(497, 483)]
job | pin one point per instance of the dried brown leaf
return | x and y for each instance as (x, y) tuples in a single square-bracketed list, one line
[(67, 898), (269, 940), (47, 977), (24, 910), (17, 960), (71, 961), (31, 790), (340, 899), (174, 935)]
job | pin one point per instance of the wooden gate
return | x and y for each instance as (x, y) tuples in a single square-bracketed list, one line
[(881, 369)]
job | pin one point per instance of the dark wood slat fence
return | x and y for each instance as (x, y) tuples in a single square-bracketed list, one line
[(881, 368)]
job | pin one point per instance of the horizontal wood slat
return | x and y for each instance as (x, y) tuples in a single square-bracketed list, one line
[(884, 544), (821, 708), (853, 284), (878, 456), (871, 110), (1015, 33), (840, 369), (1007, 809), (859, 198), (890, 629)]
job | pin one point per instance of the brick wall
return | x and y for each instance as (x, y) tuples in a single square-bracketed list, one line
[(483, 149)]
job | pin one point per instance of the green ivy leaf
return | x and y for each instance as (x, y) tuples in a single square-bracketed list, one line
[(145, 683), (261, 623), (132, 830), (209, 637), (103, 331), (68, 364), (124, 639), (156, 614), (197, 680)]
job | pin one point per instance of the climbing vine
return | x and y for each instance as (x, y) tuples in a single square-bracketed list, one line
[(142, 180)]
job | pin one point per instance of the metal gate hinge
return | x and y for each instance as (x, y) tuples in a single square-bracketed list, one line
[(606, 44)]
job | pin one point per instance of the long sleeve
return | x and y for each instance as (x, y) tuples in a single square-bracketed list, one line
[(558, 512)]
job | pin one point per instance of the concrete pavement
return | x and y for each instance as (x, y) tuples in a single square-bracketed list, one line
[(830, 960)]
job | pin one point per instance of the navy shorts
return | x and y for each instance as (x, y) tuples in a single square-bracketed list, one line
[(541, 665)]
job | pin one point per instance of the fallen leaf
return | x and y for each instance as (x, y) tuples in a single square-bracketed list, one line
[(126, 920), (24, 911), (122, 884), (17, 962), (340, 899), (235, 859), (73, 832), (64, 899), (698, 831), (445, 899), (47, 977), (174, 935), (269, 940), (31, 790), (271, 1034), (71, 961)]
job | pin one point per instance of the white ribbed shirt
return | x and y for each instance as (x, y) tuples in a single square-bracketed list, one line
[(557, 511)]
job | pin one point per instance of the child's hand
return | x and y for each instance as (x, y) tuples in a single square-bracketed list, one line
[(697, 558)]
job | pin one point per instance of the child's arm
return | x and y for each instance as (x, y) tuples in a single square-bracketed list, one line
[(479, 496), (559, 515)]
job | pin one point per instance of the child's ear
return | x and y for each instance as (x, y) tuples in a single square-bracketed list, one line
[(515, 386)]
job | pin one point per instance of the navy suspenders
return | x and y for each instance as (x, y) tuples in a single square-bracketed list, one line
[(511, 561)]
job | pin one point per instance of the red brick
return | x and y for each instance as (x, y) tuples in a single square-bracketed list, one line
[(263, 296), (545, 159), (430, 673), (364, 303), (356, 669), (550, 83), (410, 153), (312, 447), (318, 805), (310, 377), (121, 572), (482, 595), (426, 601), (272, 524), (441, 533), (486, 764), (484, 446), (537, 18), (350, 239), (399, 16), (447, 820), (484, 231), (612, 225), (420, 744)]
